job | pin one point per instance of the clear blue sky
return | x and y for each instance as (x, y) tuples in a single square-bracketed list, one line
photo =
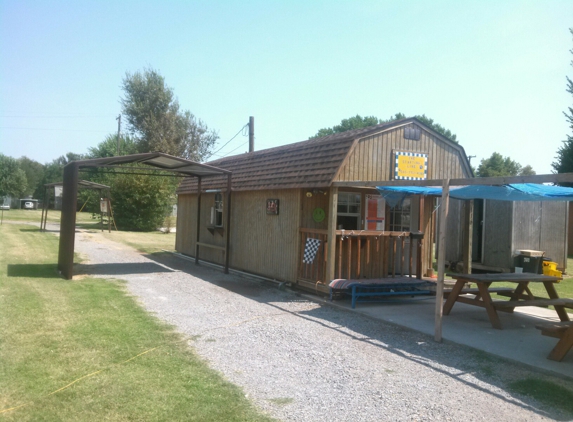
[(493, 72)]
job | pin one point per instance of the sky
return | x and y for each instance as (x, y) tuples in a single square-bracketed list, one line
[(493, 72)]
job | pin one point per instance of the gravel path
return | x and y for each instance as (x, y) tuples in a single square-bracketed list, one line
[(299, 360)]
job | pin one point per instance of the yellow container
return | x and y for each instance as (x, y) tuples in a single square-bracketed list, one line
[(553, 273), (549, 266)]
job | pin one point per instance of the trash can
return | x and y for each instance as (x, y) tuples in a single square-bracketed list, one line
[(531, 261)]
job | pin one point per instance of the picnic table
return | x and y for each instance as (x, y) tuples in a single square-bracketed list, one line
[(520, 295)]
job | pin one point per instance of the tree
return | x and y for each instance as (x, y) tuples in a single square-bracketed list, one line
[(497, 165), (12, 178), (356, 122), (564, 163), (108, 147), (54, 171), (139, 202), (34, 176), (359, 122), (527, 171), (156, 122)]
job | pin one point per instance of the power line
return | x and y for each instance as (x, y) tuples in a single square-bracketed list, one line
[(240, 146), (60, 130), (237, 134), (51, 116)]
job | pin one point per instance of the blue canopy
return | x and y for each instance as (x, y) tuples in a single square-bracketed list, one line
[(513, 192)]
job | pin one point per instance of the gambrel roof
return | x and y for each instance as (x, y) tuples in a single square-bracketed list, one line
[(309, 164)]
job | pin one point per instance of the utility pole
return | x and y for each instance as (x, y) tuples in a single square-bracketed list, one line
[(118, 118), (251, 134)]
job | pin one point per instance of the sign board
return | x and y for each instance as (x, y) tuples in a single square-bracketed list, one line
[(410, 166), (103, 206), (375, 212), (272, 206)]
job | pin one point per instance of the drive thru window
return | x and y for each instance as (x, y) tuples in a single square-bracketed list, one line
[(348, 213), (400, 216)]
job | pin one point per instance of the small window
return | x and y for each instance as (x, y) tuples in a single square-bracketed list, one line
[(348, 212), (400, 217), (218, 211)]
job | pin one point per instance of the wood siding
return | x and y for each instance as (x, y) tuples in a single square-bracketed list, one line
[(454, 231), (553, 238), (265, 244), (186, 224), (308, 204), (260, 243), (372, 158), (497, 233)]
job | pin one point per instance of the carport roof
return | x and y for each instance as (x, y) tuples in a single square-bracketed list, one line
[(158, 160), (85, 184)]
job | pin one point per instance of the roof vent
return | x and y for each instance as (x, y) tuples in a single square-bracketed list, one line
[(413, 133)]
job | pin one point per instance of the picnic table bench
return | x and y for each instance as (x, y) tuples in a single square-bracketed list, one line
[(363, 290), (519, 296), (501, 291), (564, 332)]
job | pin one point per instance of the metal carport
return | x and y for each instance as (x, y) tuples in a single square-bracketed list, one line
[(153, 161)]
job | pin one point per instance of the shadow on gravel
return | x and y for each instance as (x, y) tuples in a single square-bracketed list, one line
[(120, 269), (475, 368)]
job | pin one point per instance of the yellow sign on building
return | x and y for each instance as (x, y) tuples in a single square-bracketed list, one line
[(411, 166)]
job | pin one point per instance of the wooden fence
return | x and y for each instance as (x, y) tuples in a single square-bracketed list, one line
[(362, 254)]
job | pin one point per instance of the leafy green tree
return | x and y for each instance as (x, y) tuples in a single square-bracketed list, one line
[(139, 202), (156, 121), (564, 163), (527, 171), (497, 165), (54, 171), (12, 178), (34, 176), (359, 122), (108, 147), (356, 122)]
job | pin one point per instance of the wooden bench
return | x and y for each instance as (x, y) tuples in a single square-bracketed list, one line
[(510, 304), (561, 330), (502, 291)]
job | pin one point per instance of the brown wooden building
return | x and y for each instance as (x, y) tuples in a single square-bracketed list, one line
[(285, 195)]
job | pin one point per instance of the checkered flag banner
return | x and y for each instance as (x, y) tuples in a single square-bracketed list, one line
[(310, 250)]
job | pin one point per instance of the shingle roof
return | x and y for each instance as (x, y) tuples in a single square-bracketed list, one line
[(311, 163)]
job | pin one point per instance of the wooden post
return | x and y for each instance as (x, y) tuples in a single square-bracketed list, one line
[(43, 209), (108, 201), (441, 259), (419, 243), (331, 253), (468, 235), (228, 223), (68, 221), (197, 238)]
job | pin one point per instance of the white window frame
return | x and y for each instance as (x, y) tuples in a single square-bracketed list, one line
[(352, 199), (405, 208)]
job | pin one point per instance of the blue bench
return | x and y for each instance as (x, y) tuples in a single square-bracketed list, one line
[(370, 290)]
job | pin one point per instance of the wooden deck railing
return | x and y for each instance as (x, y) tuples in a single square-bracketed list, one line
[(363, 254)]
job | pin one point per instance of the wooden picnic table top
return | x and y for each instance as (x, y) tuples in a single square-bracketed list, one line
[(509, 277)]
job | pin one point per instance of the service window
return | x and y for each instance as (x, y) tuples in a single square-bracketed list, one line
[(217, 215), (348, 213), (400, 217)]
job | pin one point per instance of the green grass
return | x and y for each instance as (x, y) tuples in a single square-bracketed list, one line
[(84, 350), (146, 242), (549, 393), (35, 216)]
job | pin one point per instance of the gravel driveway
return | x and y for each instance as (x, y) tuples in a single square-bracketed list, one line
[(299, 360)]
